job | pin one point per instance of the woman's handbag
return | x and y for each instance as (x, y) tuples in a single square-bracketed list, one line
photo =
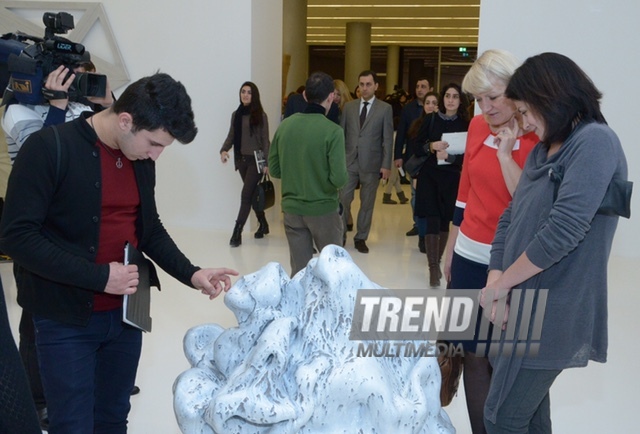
[(616, 201), (265, 195), (450, 371), (414, 164)]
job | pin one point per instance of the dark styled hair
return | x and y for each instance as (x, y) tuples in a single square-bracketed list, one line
[(368, 72), (255, 108), (431, 93), (558, 91), (413, 92), (463, 108), (318, 87), (159, 102), (414, 128)]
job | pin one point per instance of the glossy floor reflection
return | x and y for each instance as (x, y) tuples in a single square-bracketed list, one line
[(598, 398)]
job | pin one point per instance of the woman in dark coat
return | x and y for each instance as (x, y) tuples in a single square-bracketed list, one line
[(437, 182), (249, 132)]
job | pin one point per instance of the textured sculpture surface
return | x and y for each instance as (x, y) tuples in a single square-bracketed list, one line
[(289, 366)]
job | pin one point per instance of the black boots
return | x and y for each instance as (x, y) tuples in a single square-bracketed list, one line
[(236, 238), (263, 229), (263, 226), (421, 245), (402, 198)]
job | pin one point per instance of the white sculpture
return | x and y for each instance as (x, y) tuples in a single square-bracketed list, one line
[(289, 366)]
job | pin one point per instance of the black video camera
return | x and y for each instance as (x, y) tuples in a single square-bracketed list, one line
[(24, 66)]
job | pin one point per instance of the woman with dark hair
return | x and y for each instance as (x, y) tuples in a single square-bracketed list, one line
[(430, 103), (249, 132), (429, 106), (553, 236), (437, 182)]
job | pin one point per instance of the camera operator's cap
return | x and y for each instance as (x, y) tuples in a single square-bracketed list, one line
[(86, 62), (85, 58)]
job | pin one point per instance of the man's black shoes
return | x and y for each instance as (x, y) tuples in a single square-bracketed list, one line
[(361, 246)]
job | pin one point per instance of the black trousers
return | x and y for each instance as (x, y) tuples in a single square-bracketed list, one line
[(250, 178), (436, 193)]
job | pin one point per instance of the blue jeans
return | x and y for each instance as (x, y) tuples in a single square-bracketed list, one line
[(527, 407), (88, 372)]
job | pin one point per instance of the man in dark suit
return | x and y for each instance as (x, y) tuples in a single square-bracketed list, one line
[(368, 129), (410, 112)]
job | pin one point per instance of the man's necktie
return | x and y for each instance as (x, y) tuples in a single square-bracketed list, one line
[(363, 113)]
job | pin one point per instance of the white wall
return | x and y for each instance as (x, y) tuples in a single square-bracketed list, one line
[(212, 47), (599, 36), (217, 46), (266, 57)]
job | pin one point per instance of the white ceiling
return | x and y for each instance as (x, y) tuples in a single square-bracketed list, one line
[(416, 23)]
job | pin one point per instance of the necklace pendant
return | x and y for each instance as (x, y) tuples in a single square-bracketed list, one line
[(119, 163)]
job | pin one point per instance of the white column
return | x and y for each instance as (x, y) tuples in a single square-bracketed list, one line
[(295, 52), (357, 52), (393, 67)]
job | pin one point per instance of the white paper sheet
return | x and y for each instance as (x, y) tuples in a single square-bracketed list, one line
[(457, 142)]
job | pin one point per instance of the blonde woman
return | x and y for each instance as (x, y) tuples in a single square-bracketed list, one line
[(341, 97), (496, 150), (342, 94)]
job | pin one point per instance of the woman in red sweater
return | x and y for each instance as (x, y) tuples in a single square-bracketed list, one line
[(496, 150)]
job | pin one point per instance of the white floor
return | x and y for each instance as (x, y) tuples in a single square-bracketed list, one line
[(597, 399)]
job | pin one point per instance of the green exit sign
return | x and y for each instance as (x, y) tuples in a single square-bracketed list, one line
[(462, 49)]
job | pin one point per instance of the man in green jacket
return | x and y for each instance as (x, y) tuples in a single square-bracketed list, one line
[(308, 154)]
